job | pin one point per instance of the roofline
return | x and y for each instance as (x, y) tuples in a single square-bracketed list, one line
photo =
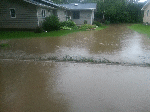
[(78, 9), (39, 4), (81, 9), (145, 6)]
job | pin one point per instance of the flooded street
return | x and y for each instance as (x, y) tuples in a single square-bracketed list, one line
[(62, 74)]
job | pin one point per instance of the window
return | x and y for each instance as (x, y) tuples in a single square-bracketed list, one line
[(76, 14), (148, 13), (43, 13), (12, 13)]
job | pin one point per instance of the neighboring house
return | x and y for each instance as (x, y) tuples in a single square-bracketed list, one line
[(79, 12), (146, 8), (26, 14), (29, 14)]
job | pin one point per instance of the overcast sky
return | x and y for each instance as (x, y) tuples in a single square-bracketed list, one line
[(142, 0)]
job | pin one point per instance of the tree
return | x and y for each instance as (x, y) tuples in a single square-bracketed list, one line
[(119, 11)]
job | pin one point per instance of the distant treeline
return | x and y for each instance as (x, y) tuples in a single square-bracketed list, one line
[(119, 11), (115, 11)]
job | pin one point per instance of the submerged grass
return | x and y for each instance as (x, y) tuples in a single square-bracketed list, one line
[(4, 45), (144, 29)]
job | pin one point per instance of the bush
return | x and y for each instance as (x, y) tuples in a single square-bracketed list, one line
[(85, 21), (65, 28), (38, 30), (51, 23), (107, 22), (68, 23), (87, 26), (97, 23)]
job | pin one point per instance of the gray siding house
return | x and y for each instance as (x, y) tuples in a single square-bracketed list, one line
[(80, 12), (28, 14), (146, 8)]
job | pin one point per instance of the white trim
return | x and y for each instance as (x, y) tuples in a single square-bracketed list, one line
[(11, 14), (43, 13)]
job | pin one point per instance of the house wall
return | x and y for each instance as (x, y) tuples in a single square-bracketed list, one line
[(87, 15), (26, 15), (146, 18), (48, 12), (61, 14)]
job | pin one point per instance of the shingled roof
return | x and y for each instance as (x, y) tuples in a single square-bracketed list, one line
[(146, 5), (80, 6), (45, 3)]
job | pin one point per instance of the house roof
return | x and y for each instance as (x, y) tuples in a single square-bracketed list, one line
[(146, 5), (45, 3), (80, 6)]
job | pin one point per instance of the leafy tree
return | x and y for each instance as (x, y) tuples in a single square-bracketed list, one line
[(119, 11)]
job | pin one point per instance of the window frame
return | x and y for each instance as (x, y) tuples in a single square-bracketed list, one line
[(43, 12), (11, 12), (147, 13), (76, 14)]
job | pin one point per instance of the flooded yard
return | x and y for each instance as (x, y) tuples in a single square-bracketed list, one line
[(62, 74)]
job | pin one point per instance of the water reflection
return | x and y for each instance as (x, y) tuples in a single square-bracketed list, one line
[(30, 86), (116, 43)]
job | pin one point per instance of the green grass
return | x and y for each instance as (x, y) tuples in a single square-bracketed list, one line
[(101, 28), (144, 29), (29, 34)]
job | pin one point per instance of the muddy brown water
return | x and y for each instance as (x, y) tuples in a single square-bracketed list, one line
[(31, 82)]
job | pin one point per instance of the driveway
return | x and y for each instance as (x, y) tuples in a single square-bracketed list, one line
[(93, 71)]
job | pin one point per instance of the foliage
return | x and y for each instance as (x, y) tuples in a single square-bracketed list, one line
[(65, 28), (87, 26), (85, 21), (119, 11), (101, 27), (29, 34), (97, 23), (51, 23), (38, 30), (145, 29), (68, 23), (107, 22)]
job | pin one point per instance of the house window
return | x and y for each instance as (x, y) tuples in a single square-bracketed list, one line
[(43, 13), (12, 13), (76, 14), (148, 13)]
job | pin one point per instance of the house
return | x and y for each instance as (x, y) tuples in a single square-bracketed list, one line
[(80, 13), (146, 8), (28, 14)]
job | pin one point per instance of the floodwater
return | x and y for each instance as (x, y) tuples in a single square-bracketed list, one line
[(32, 82)]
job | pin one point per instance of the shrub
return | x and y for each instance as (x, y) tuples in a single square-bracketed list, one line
[(68, 23), (107, 22), (85, 21), (87, 26), (65, 28), (51, 23), (97, 23), (38, 30)]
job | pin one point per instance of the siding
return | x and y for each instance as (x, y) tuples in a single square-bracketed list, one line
[(146, 18), (84, 15), (39, 14), (61, 14), (26, 15)]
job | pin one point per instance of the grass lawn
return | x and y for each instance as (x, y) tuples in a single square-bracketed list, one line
[(141, 28), (101, 28), (29, 34)]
